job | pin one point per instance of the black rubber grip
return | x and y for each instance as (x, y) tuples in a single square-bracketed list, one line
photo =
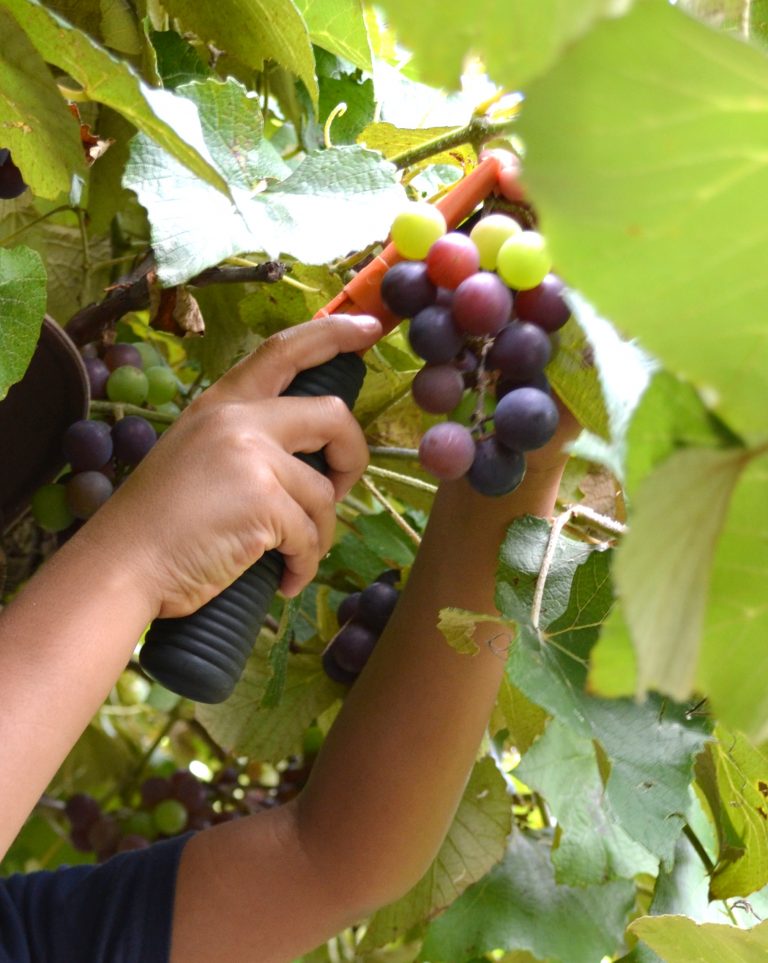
[(201, 656)]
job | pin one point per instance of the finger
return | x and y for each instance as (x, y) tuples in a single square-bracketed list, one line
[(273, 366), (299, 542), (313, 492)]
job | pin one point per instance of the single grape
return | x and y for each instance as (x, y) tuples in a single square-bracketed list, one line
[(489, 234), (348, 608), (482, 304), (139, 824), (170, 817), (496, 470), (523, 260), (11, 182), (86, 493), (544, 305), (352, 646), (520, 351), (153, 790), (452, 259), (98, 373), (447, 450), (82, 810), (438, 388), (333, 670), (87, 445), (433, 335), (122, 353), (150, 356), (133, 437), (188, 789), (525, 419), (377, 603), (128, 385), (162, 384), (505, 385), (50, 509), (391, 576), (416, 228), (169, 408), (406, 288), (104, 835)]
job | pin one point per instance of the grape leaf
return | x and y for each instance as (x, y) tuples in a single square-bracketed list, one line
[(475, 842), (458, 626), (112, 82), (591, 845), (338, 26), (22, 306), (278, 655), (518, 905), (177, 60), (515, 41), (37, 127), (253, 31), (522, 720), (678, 939), (272, 307), (628, 165)]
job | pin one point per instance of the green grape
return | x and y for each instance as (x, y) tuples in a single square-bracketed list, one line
[(140, 824), (50, 509), (162, 384), (524, 261), (128, 385), (489, 234), (416, 228), (169, 408), (170, 817), (150, 357)]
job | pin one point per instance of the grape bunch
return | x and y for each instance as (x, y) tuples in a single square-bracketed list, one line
[(362, 617), (101, 454), (482, 310)]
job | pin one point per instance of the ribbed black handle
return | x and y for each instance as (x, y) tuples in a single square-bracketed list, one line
[(201, 656)]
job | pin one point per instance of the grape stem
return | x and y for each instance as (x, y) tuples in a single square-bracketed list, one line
[(390, 509), (403, 479), (120, 409), (476, 132)]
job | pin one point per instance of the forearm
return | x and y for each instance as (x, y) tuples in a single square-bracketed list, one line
[(63, 642), (389, 779)]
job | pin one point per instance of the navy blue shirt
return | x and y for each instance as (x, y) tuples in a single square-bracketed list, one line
[(118, 912)]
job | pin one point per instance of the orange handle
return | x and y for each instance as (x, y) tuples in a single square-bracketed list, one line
[(363, 295)]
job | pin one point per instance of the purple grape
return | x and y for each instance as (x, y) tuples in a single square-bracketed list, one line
[(86, 493), (377, 603), (438, 388), (406, 288), (482, 304), (87, 445), (11, 182), (333, 670), (452, 259), (433, 335), (353, 644), (544, 304), (98, 373), (505, 385), (82, 810), (120, 354), (133, 437), (104, 835), (348, 608), (447, 450), (496, 470), (444, 297), (525, 419), (520, 351), (391, 576), (188, 789)]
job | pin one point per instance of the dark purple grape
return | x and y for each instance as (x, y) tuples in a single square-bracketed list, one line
[(406, 288), (86, 493), (352, 646), (520, 351), (87, 445), (467, 362), (79, 839), (377, 603), (544, 304), (482, 304), (437, 388), (433, 335), (447, 450), (496, 470), (154, 790), (452, 259), (505, 385), (333, 670), (525, 419), (391, 576), (104, 835), (444, 297), (82, 810), (11, 182), (187, 789), (120, 354), (348, 608), (98, 373), (133, 437)]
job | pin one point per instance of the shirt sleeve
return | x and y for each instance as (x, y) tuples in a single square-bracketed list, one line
[(118, 912)]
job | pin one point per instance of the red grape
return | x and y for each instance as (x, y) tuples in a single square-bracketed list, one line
[(452, 259), (447, 450), (482, 304)]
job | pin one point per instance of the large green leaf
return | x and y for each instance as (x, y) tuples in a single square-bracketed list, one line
[(253, 31), (515, 40), (338, 26), (41, 133), (518, 905), (645, 170), (22, 305), (678, 939), (112, 82), (475, 842)]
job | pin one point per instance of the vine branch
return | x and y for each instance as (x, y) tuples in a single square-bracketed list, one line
[(476, 132)]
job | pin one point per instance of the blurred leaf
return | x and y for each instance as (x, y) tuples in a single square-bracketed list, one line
[(678, 939), (338, 26), (22, 306), (119, 29)]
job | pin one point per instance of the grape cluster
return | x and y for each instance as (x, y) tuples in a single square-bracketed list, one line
[(11, 182), (482, 309), (101, 454), (362, 617)]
